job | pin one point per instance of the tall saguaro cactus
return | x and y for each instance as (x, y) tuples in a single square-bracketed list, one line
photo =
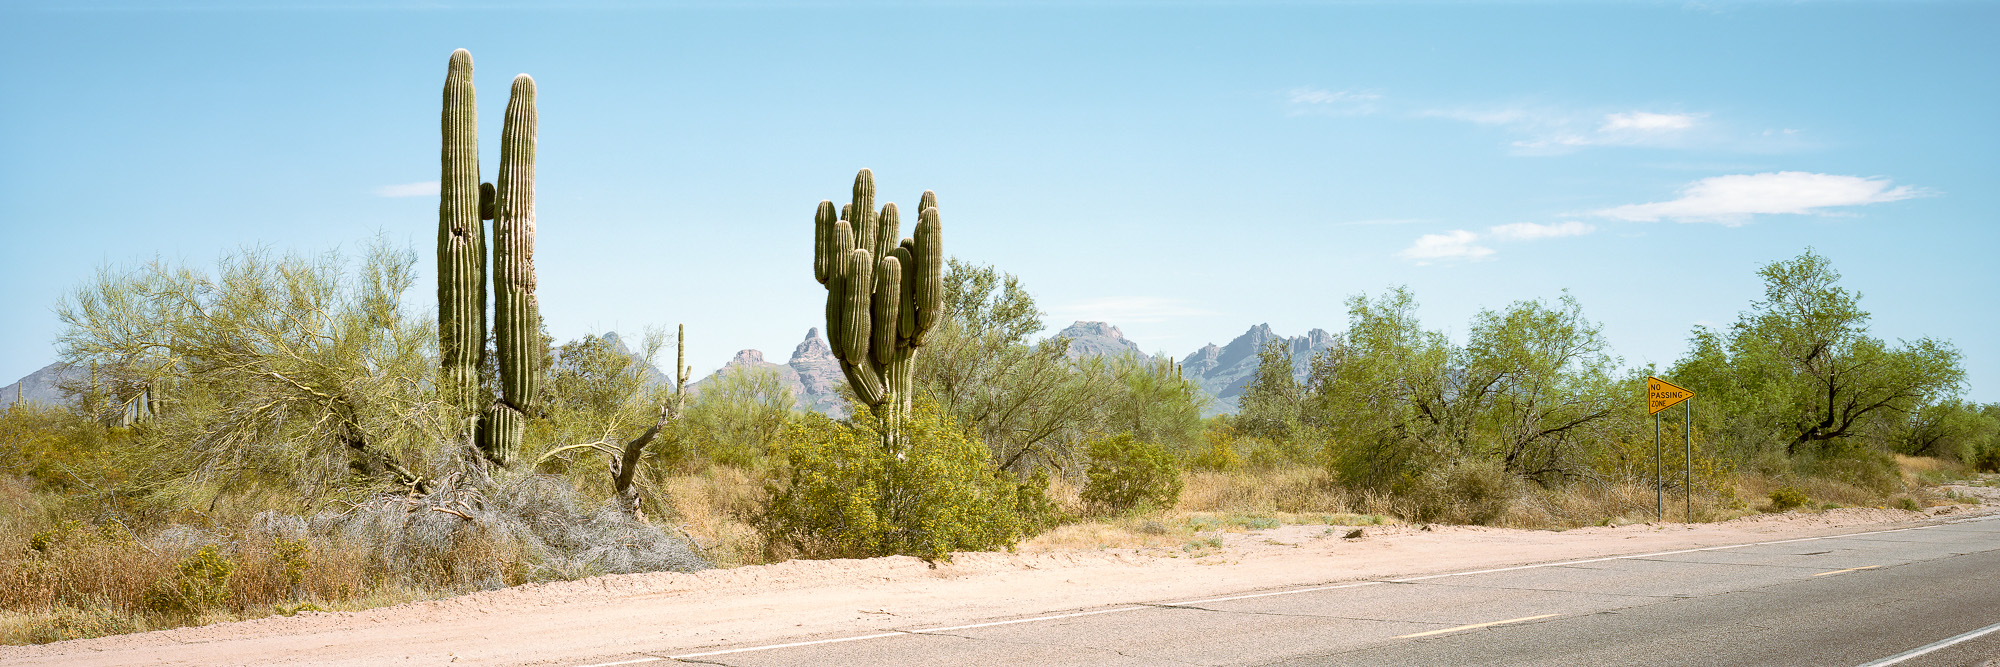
[(516, 315), (464, 203), (461, 246), (882, 295)]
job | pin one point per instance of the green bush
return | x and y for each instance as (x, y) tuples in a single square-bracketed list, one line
[(69, 622), (199, 582), (840, 494), (1129, 474), (1474, 492), (1988, 459), (1786, 498)]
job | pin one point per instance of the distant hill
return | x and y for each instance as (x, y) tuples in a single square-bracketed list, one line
[(812, 374), (1099, 339), (40, 386), (1224, 371)]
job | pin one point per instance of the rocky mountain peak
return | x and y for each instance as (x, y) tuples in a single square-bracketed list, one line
[(1099, 339)]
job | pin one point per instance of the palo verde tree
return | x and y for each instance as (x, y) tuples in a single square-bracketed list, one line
[(882, 296), (1799, 370), (292, 370), (1032, 404)]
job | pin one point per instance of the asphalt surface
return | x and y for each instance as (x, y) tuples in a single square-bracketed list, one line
[(1839, 601)]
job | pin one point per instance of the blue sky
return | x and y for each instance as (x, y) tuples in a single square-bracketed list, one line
[(1182, 170)]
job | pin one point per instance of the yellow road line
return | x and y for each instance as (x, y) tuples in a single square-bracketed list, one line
[(1851, 569), (1476, 625)]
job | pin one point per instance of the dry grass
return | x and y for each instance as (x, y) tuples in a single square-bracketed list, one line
[(713, 508)]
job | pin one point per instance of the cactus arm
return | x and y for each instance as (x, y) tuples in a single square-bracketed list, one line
[(906, 316), (823, 240), (887, 227), (855, 323), (861, 212), (887, 302), (930, 271), (836, 288)]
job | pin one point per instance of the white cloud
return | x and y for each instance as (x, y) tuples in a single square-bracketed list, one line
[(1552, 130), (1733, 199), (1132, 309), (1456, 244), (423, 189), (1459, 244), (1379, 221), (1308, 100), (1648, 122), (1528, 231)]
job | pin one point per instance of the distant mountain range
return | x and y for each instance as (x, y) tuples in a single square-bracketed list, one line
[(1222, 371), (1225, 371), (814, 376)]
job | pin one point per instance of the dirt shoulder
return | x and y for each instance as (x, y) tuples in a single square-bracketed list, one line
[(611, 617)]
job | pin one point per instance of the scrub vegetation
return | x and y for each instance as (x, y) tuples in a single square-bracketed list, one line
[(276, 434)]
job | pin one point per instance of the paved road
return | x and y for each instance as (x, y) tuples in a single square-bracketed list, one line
[(1841, 601)]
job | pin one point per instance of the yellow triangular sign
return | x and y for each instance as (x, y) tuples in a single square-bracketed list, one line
[(1661, 394)]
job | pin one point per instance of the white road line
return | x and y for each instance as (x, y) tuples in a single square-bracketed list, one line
[(900, 633), (1927, 648), (1030, 620), (1474, 626), (1265, 595), (768, 647)]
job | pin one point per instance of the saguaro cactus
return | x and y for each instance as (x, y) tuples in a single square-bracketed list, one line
[(883, 295), (516, 315), (461, 246), (463, 203)]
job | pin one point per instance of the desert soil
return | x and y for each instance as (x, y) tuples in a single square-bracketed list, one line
[(614, 617)]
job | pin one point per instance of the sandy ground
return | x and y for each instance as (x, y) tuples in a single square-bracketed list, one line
[(613, 617)]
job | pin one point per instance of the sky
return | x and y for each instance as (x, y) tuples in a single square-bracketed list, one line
[(1182, 170)]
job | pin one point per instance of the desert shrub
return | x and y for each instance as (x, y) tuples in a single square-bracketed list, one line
[(198, 583), (1217, 451), (66, 622), (840, 494), (1786, 498), (1129, 474), (1987, 459), (1472, 492)]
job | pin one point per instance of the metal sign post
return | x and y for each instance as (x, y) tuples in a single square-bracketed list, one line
[(1687, 436), (1660, 395)]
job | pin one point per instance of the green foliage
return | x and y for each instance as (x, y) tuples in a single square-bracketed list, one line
[(1031, 404), (1788, 497), (1218, 447), (1531, 392), (1128, 474), (735, 418), (841, 494), (281, 371), (59, 449), (1949, 429), (68, 622), (200, 582), (1798, 371), (294, 557), (1273, 404), (1153, 402)]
